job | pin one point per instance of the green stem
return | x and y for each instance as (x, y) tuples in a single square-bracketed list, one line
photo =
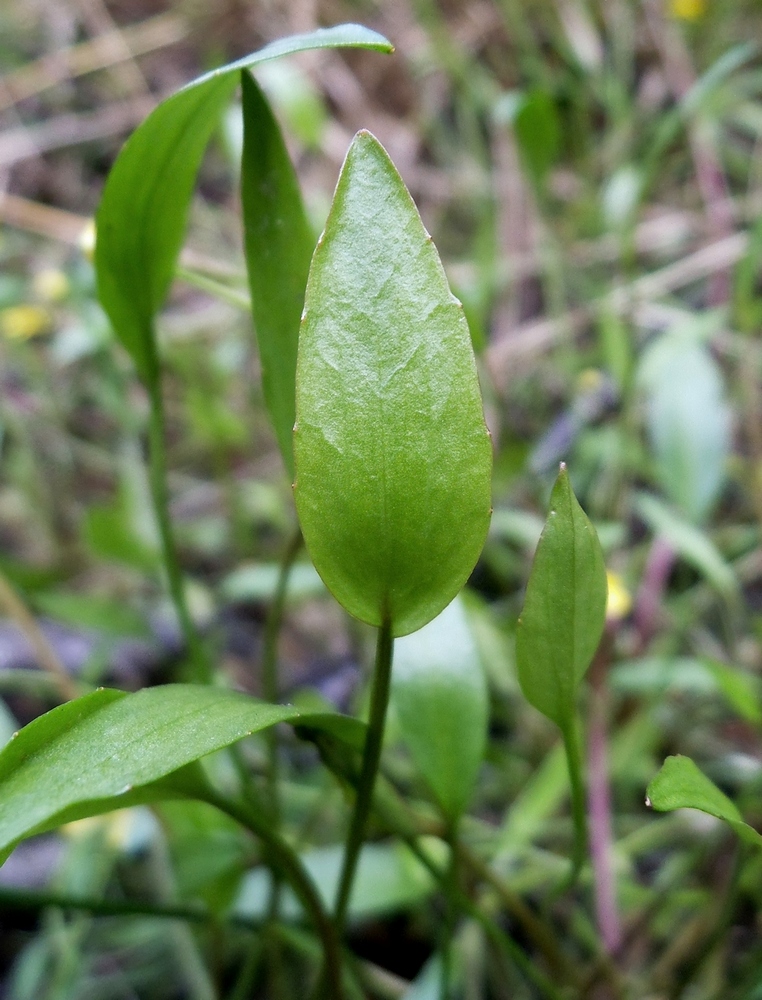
[(573, 749), (213, 287), (452, 886), (290, 866), (270, 690), (157, 457), (371, 756), (26, 899), (270, 685), (476, 911)]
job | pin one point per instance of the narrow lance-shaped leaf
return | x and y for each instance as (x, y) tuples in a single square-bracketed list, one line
[(681, 785), (559, 631), (439, 692), (110, 749), (279, 247), (564, 609), (142, 216), (392, 454)]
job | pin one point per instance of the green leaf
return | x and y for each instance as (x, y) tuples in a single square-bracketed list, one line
[(690, 542), (440, 695), (279, 245), (140, 223), (689, 422), (390, 878), (564, 609), (681, 785), (393, 458), (142, 216), (89, 754), (538, 132)]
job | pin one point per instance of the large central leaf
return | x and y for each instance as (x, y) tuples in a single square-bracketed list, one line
[(392, 454)]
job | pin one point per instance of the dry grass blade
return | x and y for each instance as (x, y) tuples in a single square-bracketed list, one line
[(87, 57)]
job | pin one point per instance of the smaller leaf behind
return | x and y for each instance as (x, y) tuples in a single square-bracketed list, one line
[(564, 609), (140, 223), (440, 695), (142, 216), (279, 246), (681, 785)]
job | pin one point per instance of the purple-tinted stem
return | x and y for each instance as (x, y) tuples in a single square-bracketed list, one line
[(659, 565), (599, 806)]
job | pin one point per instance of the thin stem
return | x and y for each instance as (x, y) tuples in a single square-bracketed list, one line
[(452, 877), (28, 899), (270, 687), (570, 735), (601, 837), (290, 866), (157, 456), (370, 761), (270, 690), (221, 291)]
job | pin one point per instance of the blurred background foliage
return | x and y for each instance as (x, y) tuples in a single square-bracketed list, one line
[(591, 174)]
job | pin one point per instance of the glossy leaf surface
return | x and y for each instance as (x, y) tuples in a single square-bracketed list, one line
[(440, 695), (97, 753), (564, 609), (392, 454), (279, 247), (681, 785), (142, 216)]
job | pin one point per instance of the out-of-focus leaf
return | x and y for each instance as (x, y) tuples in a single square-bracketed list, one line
[(393, 458), (389, 879), (257, 582), (538, 132), (427, 985), (279, 245), (740, 688), (141, 219), (690, 542), (440, 696), (293, 95), (689, 423), (681, 785), (689, 675), (564, 609), (88, 612), (209, 850)]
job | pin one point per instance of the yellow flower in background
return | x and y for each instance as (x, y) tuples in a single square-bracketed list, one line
[(589, 380), (619, 601), (87, 240), (50, 285), (23, 322), (688, 10)]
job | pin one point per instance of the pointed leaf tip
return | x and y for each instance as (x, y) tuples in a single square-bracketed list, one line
[(565, 607)]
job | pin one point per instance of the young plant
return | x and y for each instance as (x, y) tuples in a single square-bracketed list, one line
[(393, 458), (560, 628), (391, 452), (392, 464)]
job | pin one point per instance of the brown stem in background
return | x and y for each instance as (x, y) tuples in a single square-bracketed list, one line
[(710, 176), (648, 603), (599, 801), (47, 658)]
